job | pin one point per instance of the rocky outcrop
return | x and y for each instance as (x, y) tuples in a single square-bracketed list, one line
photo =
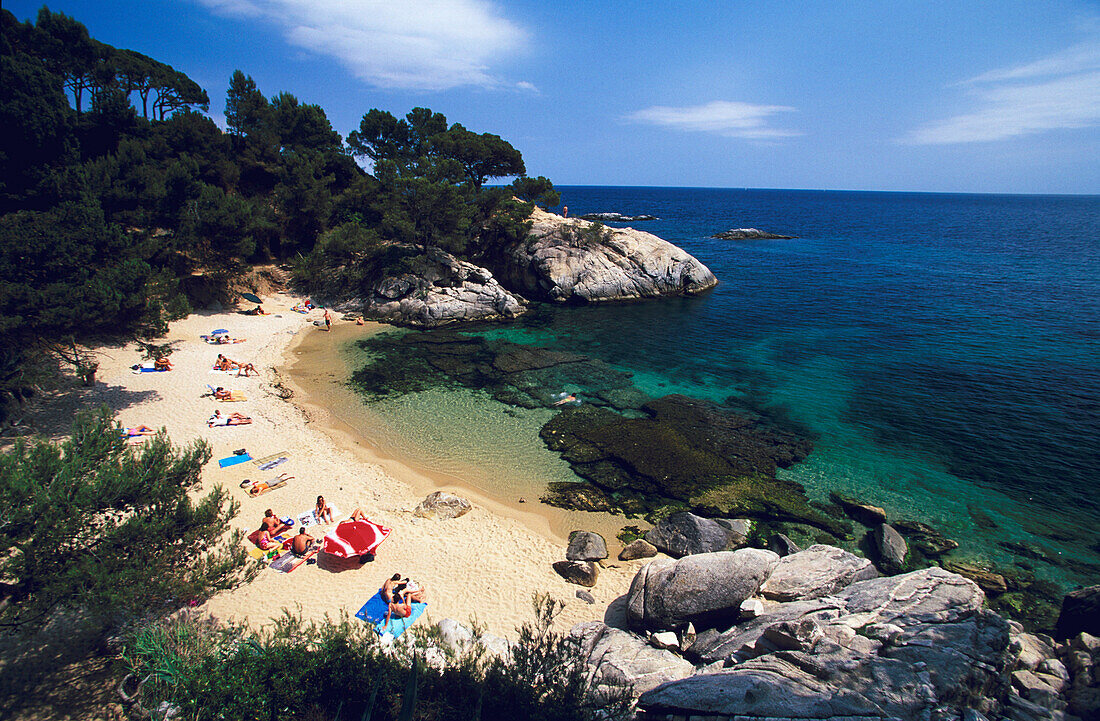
[(586, 546), (577, 261), (617, 217), (683, 534), (924, 538), (818, 571), (443, 290), (617, 658), (895, 647), (750, 234), (707, 588), (442, 505), (865, 513)]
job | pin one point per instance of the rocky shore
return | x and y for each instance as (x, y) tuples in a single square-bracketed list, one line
[(750, 234), (560, 261)]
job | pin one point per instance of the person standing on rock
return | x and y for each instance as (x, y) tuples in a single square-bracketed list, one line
[(565, 211)]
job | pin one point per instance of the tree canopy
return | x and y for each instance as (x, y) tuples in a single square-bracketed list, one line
[(109, 530)]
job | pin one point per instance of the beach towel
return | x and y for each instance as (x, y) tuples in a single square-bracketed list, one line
[(354, 538), (273, 463), (309, 518), (288, 561), (234, 460), (273, 456), (374, 613), (147, 367)]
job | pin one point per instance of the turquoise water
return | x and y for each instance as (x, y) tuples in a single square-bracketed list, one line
[(941, 350)]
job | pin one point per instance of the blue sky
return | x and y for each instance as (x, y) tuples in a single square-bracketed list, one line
[(951, 96)]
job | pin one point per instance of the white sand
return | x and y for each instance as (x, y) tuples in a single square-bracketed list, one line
[(484, 565)]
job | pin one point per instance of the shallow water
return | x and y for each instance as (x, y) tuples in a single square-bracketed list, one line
[(940, 349)]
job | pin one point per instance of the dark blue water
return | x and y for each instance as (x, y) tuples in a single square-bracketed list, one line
[(942, 349)]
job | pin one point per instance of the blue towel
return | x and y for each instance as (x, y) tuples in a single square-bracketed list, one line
[(374, 613), (234, 460), (152, 370)]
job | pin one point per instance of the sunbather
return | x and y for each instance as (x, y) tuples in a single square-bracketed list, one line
[(302, 543), (388, 586), (247, 369), (402, 608), (162, 364), (136, 431), (222, 394), (224, 364), (233, 419), (323, 511), (272, 523)]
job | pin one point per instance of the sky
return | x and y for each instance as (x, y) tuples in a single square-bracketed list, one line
[(929, 95)]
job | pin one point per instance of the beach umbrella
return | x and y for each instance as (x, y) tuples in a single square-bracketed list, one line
[(352, 538), (251, 297), (219, 331)]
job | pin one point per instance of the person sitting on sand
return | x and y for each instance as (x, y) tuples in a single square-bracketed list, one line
[(323, 511), (272, 523), (415, 592), (302, 543), (162, 364), (400, 607), (246, 370), (222, 394), (388, 587), (258, 310), (224, 364)]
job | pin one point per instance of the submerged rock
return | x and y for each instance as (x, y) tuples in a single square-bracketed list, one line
[(924, 538), (577, 261), (865, 513), (891, 548)]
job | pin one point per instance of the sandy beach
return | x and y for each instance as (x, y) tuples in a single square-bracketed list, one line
[(485, 565)]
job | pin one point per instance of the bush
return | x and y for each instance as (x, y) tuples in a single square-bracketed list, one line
[(338, 669)]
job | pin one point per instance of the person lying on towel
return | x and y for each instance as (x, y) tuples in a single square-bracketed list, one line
[(400, 607), (233, 419), (302, 543), (162, 364), (224, 364), (135, 431)]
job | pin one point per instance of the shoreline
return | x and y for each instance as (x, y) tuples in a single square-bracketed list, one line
[(486, 565)]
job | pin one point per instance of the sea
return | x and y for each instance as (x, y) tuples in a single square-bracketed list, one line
[(941, 350)]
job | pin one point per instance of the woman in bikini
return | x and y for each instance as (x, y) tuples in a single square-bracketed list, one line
[(323, 511)]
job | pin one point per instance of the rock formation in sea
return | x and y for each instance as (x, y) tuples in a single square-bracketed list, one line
[(442, 290), (577, 261), (841, 644), (617, 217), (750, 234)]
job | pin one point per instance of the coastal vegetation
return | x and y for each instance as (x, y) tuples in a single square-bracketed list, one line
[(122, 205)]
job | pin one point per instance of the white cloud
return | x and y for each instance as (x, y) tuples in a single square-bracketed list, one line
[(1055, 92), (415, 44), (732, 119)]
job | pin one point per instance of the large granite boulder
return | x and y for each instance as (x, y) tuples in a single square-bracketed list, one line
[(442, 505), (706, 587), (616, 658), (890, 547), (1080, 613), (914, 646), (815, 572), (443, 289), (573, 260), (684, 534), (586, 546), (582, 573), (638, 548)]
